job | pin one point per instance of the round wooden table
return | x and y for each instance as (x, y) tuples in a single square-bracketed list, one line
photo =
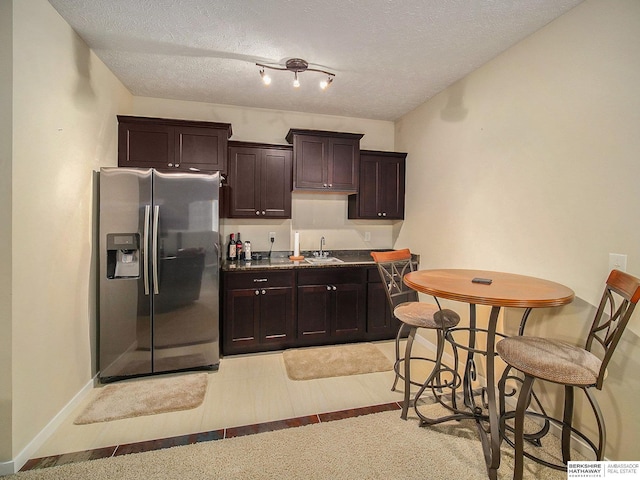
[(504, 290)]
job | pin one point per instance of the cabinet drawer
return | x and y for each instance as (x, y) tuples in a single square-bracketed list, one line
[(320, 276), (258, 279)]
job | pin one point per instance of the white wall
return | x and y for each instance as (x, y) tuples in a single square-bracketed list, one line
[(65, 102), (313, 215), (530, 165), (6, 112)]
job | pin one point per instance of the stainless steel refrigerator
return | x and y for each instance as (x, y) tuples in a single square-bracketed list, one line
[(159, 262)]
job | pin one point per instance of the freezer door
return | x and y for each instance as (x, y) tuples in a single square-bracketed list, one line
[(125, 300), (185, 249)]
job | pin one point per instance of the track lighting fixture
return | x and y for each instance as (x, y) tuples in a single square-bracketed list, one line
[(296, 65)]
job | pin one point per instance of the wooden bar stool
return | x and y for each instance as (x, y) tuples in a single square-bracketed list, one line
[(412, 314), (568, 365)]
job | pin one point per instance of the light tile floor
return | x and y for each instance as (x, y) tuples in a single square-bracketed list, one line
[(246, 390)]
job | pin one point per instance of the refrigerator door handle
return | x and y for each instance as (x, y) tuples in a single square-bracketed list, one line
[(154, 248), (145, 250)]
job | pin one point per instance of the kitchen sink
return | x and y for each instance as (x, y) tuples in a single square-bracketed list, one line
[(322, 260)]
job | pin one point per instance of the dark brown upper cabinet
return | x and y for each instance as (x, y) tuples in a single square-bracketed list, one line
[(325, 161), (259, 180), (381, 189), (172, 145)]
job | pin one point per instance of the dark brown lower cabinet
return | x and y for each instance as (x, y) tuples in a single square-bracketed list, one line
[(381, 324), (274, 310), (331, 305), (258, 311)]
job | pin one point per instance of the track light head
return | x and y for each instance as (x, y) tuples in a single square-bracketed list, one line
[(266, 79), (324, 84)]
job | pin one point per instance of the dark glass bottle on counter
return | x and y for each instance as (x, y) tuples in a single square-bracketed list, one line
[(239, 247), (231, 248)]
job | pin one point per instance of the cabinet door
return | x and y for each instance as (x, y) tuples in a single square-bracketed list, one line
[(258, 311), (368, 189), (259, 182), (331, 305), (310, 167), (381, 189), (200, 149), (391, 188), (343, 160), (275, 183), (145, 145), (314, 314), (172, 145), (276, 316), (348, 310), (243, 178), (241, 320), (380, 322)]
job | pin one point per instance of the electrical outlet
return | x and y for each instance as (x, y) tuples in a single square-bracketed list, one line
[(367, 236), (272, 237)]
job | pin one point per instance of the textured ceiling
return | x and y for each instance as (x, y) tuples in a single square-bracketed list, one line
[(389, 56)]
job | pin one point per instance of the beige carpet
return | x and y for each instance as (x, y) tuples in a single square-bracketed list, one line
[(146, 396), (378, 446), (334, 361)]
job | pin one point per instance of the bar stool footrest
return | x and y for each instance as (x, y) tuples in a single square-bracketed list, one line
[(535, 438), (450, 332)]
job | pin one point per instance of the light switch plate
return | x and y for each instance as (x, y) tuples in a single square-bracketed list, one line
[(618, 261)]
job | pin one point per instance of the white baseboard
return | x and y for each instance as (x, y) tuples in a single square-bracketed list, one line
[(8, 468), (577, 443)]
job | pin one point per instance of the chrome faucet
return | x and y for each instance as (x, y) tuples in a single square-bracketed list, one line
[(321, 245)]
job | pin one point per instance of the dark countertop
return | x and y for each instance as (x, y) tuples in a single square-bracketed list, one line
[(278, 260)]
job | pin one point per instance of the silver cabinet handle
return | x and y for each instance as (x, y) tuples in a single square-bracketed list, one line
[(257, 292), (257, 212), (328, 287), (263, 292), (334, 288), (384, 214), (154, 248), (264, 213), (145, 248), (260, 280), (170, 164)]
